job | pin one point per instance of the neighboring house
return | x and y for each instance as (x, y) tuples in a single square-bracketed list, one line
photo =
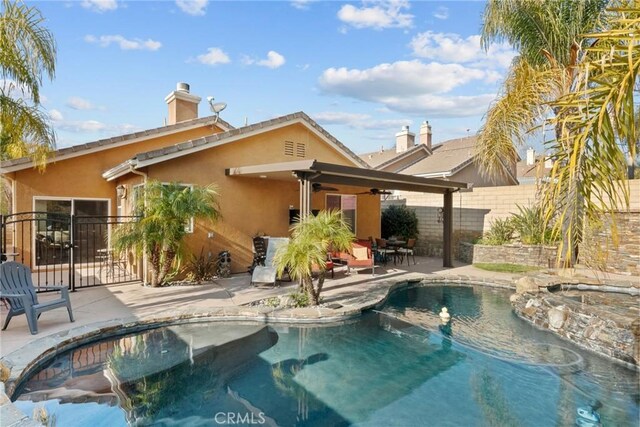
[(264, 173), (534, 168), (452, 160)]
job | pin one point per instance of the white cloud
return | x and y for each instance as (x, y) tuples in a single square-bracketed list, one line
[(357, 120), (193, 7), (214, 56), (453, 48), (78, 103), (398, 78), (303, 67), (99, 5), (377, 15), (301, 4), (124, 43), (56, 115), (274, 60), (412, 87), (441, 13)]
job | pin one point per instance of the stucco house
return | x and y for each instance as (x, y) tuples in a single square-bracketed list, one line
[(450, 160), (265, 173)]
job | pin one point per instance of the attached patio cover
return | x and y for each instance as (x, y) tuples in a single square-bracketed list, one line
[(308, 172)]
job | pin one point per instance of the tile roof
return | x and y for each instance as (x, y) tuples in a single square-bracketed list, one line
[(447, 157), (108, 142), (210, 141)]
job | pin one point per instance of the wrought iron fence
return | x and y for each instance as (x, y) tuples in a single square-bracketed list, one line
[(68, 250)]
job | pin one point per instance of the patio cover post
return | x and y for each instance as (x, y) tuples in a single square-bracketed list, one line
[(305, 195), (447, 230)]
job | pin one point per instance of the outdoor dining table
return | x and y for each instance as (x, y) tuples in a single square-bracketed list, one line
[(395, 244)]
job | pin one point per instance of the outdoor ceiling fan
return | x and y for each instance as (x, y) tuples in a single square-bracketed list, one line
[(316, 186), (376, 192)]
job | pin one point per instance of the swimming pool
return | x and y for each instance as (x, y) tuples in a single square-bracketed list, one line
[(397, 367)]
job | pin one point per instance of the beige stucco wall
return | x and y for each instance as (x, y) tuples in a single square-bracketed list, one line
[(252, 206), (474, 210), (472, 174)]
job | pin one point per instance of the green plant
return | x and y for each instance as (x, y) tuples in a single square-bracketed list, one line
[(272, 302), (166, 209), (501, 232), (201, 268), (28, 54), (505, 267), (398, 220), (311, 238), (299, 299), (531, 226)]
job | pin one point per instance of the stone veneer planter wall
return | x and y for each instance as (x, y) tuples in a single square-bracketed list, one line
[(533, 255), (605, 334)]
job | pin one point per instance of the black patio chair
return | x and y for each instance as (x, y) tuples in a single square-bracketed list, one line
[(259, 253), (16, 287)]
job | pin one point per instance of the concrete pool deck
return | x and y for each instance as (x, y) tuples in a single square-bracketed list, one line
[(109, 310)]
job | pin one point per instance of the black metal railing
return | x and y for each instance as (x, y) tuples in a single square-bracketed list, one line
[(68, 250)]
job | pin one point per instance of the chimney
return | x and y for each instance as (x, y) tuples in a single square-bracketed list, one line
[(425, 134), (548, 162), (182, 104), (404, 139), (531, 156)]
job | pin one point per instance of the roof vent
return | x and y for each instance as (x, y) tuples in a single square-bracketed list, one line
[(182, 87)]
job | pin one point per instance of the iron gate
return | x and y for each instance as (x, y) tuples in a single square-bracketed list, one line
[(67, 250)]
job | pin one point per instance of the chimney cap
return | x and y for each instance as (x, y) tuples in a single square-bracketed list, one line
[(182, 87)]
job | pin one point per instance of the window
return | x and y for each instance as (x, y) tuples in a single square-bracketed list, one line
[(346, 203), (53, 228)]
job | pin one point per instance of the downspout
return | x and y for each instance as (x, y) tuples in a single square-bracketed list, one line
[(145, 259)]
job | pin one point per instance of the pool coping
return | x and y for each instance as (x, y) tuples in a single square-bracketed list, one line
[(30, 357)]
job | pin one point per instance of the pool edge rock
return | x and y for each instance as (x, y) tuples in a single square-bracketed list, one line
[(607, 334)]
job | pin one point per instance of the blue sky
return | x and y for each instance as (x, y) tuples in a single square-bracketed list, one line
[(361, 69)]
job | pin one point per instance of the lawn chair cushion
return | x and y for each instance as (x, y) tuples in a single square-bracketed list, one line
[(360, 253)]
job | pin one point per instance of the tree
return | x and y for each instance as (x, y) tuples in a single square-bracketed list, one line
[(312, 238), (398, 220), (28, 53), (548, 38), (166, 211), (598, 122)]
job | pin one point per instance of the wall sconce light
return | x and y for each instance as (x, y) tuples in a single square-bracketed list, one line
[(121, 191), (440, 216)]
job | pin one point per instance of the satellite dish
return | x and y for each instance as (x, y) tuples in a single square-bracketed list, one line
[(216, 107)]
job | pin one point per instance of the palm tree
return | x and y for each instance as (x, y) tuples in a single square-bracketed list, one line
[(547, 36), (312, 238), (27, 53), (167, 209), (598, 124)]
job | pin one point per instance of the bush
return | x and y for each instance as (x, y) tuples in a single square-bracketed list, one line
[(398, 220), (530, 226), (201, 268), (299, 299), (500, 233)]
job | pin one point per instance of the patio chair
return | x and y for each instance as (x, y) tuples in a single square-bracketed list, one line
[(267, 273), (408, 250), (361, 256), (259, 252), (384, 251), (17, 288)]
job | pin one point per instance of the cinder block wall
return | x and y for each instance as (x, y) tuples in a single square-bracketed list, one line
[(473, 211)]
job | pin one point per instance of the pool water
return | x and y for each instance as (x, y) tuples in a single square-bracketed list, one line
[(397, 367)]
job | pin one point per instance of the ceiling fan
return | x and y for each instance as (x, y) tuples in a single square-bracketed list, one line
[(376, 192), (316, 186)]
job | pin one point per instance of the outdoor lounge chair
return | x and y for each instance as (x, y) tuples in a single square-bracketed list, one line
[(267, 273), (17, 288), (259, 252), (361, 256)]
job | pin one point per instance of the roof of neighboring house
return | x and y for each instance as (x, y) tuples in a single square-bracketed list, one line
[(448, 157), (532, 171), (381, 159), (103, 144), (195, 145)]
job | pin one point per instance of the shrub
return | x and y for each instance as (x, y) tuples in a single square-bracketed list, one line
[(501, 232), (299, 299), (530, 225), (201, 268), (398, 220)]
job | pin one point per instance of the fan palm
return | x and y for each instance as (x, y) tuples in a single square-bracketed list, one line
[(27, 53), (166, 211), (312, 238)]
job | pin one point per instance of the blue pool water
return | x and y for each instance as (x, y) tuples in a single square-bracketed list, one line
[(396, 367)]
